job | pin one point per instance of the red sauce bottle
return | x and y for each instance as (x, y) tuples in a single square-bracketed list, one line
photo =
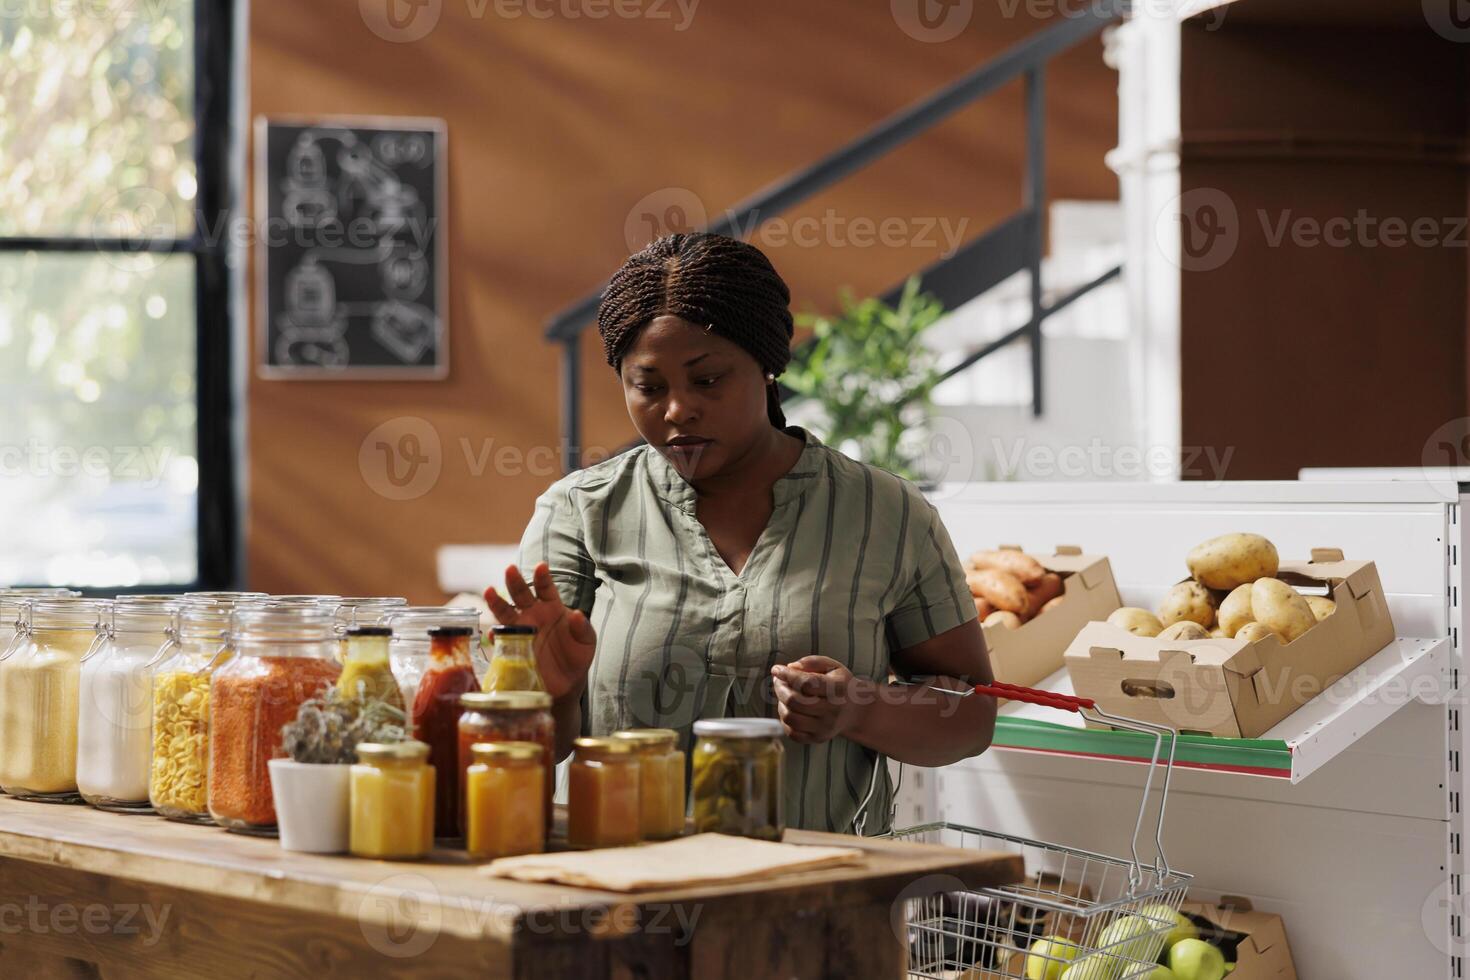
[(436, 717)]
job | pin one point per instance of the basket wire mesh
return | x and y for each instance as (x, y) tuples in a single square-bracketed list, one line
[(1079, 915)]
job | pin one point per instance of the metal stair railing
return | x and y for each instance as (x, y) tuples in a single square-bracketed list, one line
[(1012, 245)]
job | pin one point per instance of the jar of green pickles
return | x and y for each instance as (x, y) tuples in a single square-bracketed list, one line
[(739, 777)]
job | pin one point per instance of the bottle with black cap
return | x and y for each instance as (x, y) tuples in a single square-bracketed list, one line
[(513, 660)]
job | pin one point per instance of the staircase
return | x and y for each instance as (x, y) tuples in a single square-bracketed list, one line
[(993, 284)]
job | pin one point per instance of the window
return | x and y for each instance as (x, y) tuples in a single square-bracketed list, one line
[(116, 459)]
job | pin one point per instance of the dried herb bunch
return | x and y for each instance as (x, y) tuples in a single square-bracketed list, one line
[(327, 729)]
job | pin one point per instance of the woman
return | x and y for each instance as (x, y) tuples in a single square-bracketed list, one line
[(735, 565)]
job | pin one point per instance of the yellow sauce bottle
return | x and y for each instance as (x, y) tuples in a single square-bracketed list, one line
[(603, 798), (392, 791), (513, 662), (366, 672), (661, 782), (504, 788)]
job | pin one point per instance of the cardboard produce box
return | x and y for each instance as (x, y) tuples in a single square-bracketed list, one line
[(1033, 652), (1230, 687), (1255, 941)]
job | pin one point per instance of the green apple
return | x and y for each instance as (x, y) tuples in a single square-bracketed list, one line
[(1161, 973), (1194, 959), (1130, 938), (1049, 957), (1091, 968), (1183, 927)]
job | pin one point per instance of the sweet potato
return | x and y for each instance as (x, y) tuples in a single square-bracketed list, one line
[(1002, 589), (1045, 590), (983, 607), (1016, 563), (1002, 617)]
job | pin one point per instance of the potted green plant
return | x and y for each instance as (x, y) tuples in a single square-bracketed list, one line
[(311, 787), (872, 377)]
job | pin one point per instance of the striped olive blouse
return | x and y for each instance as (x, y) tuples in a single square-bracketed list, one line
[(853, 565)]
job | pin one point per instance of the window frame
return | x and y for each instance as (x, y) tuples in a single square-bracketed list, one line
[(217, 382)]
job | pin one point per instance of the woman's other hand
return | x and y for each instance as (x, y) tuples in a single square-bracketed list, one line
[(565, 640), (817, 699)]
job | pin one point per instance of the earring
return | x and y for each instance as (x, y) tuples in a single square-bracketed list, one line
[(770, 377)]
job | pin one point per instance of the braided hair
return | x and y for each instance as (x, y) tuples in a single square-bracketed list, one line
[(706, 279)]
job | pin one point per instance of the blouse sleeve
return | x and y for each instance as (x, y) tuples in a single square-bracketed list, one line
[(555, 536), (936, 598)]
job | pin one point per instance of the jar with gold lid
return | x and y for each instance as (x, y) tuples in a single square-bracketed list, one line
[(602, 805), (504, 789), (392, 801), (510, 716), (661, 780), (739, 777)]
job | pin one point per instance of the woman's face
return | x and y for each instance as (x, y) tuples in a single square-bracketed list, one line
[(694, 396)]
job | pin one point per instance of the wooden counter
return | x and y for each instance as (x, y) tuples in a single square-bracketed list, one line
[(90, 894)]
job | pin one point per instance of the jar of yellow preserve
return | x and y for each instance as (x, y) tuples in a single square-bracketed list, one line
[(41, 680), (392, 806), (513, 660), (661, 780), (602, 802), (504, 787), (366, 672)]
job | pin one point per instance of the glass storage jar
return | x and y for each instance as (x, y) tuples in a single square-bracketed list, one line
[(392, 801), (366, 674), (436, 717), (602, 802), (513, 660), (114, 724), (661, 783), (504, 787), (40, 681), (739, 777), (178, 780), (361, 611), (282, 657), (510, 716), (233, 598)]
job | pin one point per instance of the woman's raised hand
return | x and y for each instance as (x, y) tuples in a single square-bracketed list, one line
[(565, 640)]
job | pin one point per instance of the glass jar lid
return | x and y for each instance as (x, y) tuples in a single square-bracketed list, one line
[(739, 728), (497, 752), (143, 613), (649, 739), (226, 596), (505, 700), (366, 610), (603, 747), (409, 751), (69, 614), (327, 601), (307, 624)]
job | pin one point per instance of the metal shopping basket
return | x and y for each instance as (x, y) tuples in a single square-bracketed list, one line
[(1107, 917)]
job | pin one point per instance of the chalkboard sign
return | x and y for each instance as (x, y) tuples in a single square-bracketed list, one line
[(350, 243)]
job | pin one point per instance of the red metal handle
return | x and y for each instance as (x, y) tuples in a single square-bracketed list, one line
[(1011, 692)]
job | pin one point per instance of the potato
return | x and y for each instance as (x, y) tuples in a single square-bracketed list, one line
[(1139, 622), (983, 608), (1051, 604), (1281, 609), (1322, 607), (1218, 633), (1016, 563), (1231, 560), (1188, 600), (1251, 632), (1002, 617), (1235, 611), (1184, 630), (1045, 590), (1002, 589)]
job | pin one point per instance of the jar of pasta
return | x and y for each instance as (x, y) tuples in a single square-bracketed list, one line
[(41, 682), (513, 660), (510, 716), (602, 805), (282, 657), (661, 782), (114, 721), (504, 789), (392, 808), (739, 775), (178, 777), (366, 673)]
